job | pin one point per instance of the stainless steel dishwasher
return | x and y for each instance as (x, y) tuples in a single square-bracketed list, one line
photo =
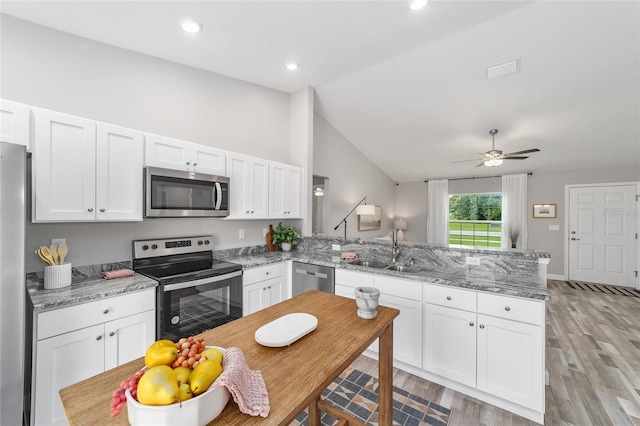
[(312, 277)]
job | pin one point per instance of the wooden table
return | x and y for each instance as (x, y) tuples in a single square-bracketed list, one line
[(295, 375)]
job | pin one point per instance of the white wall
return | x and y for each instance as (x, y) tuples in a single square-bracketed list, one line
[(542, 188), (351, 176), (59, 71)]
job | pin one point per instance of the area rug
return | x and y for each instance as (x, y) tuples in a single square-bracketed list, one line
[(357, 393), (602, 288)]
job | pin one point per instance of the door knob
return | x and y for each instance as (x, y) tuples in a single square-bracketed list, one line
[(575, 239)]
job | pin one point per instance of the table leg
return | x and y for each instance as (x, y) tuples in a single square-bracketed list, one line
[(314, 413), (385, 377)]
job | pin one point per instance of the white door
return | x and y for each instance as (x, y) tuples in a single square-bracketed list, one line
[(294, 191), (168, 153), (238, 170), (128, 338), (407, 329), (206, 159), (260, 186), (602, 234), (119, 163), (64, 167)]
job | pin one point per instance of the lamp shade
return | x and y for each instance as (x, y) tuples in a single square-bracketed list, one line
[(493, 162), (365, 209), (400, 224)]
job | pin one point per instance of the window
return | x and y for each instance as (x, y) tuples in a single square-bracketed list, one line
[(475, 220)]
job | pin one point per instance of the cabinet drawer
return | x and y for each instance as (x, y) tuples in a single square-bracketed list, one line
[(523, 310), (353, 279), (399, 287), (255, 275), (59, 321), (450, 296)]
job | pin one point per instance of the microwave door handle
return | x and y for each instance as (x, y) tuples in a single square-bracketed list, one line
[(218, 195)]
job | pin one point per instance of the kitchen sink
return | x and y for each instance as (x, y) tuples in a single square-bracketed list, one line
[(402, 268), (370, 264)]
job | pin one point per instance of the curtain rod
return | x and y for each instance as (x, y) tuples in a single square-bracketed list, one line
[(480, 177)]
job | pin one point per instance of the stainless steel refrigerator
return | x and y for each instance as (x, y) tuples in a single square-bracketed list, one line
[(12, 282)]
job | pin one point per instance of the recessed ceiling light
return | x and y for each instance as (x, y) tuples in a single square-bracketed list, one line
[(418, 4), (191, 26), (292, 66)]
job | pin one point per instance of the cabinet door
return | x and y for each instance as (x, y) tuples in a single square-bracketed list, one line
[(206, 159), (260, 189), (450, 343), (166, 152), (294, 192), (62, 361), (128, 338), (14, 123), (285, 184), (252, 298), (511, 361), (240, 188), (407, 329), (119, 163), (275, 291), (63, 169)]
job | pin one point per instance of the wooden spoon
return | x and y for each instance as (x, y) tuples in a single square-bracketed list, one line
[(45, 256), (63, 250), (54, 252)]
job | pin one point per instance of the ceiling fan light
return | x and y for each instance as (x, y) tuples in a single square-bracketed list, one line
[(493, 162)]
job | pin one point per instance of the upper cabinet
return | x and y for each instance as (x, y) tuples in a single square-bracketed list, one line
[(175, 154), (85, 171), (285, 187), (248, 187), (14, 123)]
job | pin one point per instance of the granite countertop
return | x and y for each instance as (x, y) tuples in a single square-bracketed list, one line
[(86, 285), (465, 277)]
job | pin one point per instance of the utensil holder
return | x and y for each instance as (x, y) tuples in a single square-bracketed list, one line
[(57, 276), (367, 301)]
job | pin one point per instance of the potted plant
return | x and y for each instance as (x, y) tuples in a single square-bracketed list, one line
[(286, 236)]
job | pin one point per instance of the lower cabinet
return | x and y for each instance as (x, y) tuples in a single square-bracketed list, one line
[(87, 346), (263, 287)]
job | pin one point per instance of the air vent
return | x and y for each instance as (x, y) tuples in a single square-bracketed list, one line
[(504, 68)]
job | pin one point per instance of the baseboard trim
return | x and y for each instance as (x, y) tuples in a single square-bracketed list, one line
[(556, 277)]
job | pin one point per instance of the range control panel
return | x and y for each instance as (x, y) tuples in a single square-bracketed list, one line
[(169, 246)]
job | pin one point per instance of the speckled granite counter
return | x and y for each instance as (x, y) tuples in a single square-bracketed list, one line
[(464, 277), (86, 285)]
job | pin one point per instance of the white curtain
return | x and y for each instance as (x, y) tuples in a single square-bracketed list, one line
[(514, 210), (438, 212)]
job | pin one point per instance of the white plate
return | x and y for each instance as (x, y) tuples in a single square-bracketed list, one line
[(197, 411), (285, 330)]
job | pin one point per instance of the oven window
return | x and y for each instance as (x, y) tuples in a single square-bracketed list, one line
[(181, 194), (193, 310)]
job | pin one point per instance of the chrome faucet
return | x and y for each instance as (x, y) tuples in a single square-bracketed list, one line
[(395, 250)]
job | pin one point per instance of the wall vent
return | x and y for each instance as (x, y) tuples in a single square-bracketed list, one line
[(504, 68)]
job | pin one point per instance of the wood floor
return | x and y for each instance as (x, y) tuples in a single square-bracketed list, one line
[(593, 359)]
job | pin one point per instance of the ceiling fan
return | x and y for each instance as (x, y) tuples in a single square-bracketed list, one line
[(494, 157)]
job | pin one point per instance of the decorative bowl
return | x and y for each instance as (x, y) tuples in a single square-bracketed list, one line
[(197, 411)]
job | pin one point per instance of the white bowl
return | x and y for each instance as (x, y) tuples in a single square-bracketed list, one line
[(197, 411)]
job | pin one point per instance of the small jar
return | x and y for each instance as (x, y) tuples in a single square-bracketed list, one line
[(367, 302)]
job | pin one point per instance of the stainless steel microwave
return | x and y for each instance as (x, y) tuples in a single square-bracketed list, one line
[(176, 193)]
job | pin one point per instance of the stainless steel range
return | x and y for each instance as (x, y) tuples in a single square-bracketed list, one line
[(196, 292)]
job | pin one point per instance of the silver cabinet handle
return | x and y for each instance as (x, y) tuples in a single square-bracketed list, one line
[(481, 325), (195, 164), (471, 323), (448, 297), (99, 338), (267, 273), (247, 211), (188, 163), (573, 232), (102, 210), (90, 209), (251, 211), (506, 308), (106, 311), (112, 334), (575, 239)]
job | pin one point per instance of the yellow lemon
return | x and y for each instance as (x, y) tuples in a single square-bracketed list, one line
[(213, 353)]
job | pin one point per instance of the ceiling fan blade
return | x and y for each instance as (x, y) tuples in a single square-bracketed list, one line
[(464, 161), (526, 151), (513, 158), (480, 164)]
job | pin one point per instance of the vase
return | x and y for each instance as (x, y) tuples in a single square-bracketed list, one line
[(367, 302), (286, 246)]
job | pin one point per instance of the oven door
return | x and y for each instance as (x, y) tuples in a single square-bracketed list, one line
[(192, 307)]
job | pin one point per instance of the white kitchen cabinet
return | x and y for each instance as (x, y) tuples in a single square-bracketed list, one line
[(14, 123), (85, 171), (450, 343), (248, 186), (78, 342), (285, 191), (263, 287), (169, 153)]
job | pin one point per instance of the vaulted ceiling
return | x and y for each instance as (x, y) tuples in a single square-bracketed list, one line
[(410, 88)]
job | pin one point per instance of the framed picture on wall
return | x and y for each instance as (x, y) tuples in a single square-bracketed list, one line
[(370, 222), (547, 211)]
